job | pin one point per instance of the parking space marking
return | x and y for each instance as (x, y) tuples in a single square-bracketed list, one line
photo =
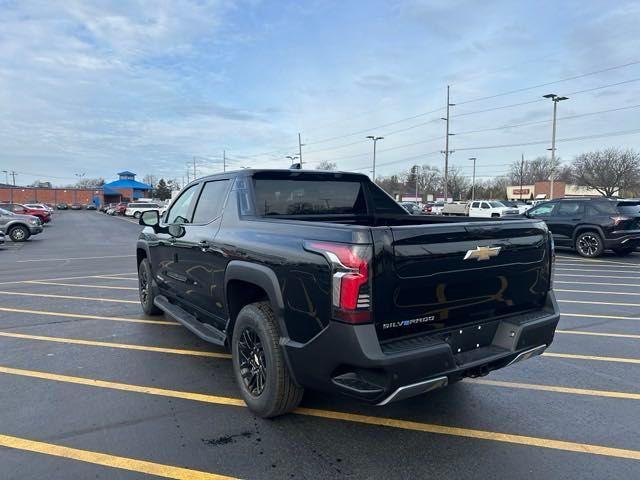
[(71, 258), (69, 278), (595, 276), (620, 265), (589, 302), (555, 389), (126, 346), (135, 279), (107, 287), (107, 460), (590, 315), (344, 416), (560, 269), (594, 291), (592, 357), (68, 297), (599, 334), (87, 317), (592, 261), (599, 283)]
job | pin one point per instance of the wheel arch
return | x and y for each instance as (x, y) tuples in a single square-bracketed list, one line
[(587, 228)]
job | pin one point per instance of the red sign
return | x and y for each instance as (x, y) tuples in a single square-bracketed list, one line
[(520, 191)]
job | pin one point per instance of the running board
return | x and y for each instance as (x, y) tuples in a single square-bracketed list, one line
[(207, 332)]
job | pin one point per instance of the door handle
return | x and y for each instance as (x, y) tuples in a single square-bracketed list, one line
[(205, 246)]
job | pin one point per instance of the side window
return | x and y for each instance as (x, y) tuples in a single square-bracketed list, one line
[(544, 210), (180, 208), (568, 209), (475, 205), (485, 205), (210, 203)]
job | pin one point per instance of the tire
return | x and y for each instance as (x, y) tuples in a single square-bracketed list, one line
[(147, 288), (589, 244), (19, 233), (257, 354), (137, 214), (623, 251)]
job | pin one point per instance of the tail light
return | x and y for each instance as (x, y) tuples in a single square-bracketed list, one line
[(349, 278), (618, 219)]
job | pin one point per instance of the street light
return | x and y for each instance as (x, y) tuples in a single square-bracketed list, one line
[(375, 140), (555, 99), (473, 182)]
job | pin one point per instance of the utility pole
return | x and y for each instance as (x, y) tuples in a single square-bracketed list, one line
[(446, 149), (416, 175), (300, 145), (521, 174), (188, 177), (473, 182), (375, 140), (555, 99), (13, 174), (6, 176), (194, 168), (224, 160)]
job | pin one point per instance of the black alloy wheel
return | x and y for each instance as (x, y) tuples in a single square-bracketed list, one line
[(252, 362)]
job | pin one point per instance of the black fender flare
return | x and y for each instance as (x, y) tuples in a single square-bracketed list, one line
[(263, 277), (585, 228)]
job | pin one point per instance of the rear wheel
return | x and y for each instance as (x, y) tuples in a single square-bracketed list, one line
[(136, 215), (258, 363), (589, 244), (147, 289), (623, 251), (19, 233)]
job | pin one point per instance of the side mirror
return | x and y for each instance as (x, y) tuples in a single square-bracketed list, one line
[(150, 218), (176, 230)]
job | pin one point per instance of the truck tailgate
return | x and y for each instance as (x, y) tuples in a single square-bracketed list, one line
[(435, 277)]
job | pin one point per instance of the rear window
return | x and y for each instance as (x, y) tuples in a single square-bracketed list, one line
[(496, 204), (308, 197), (629, 208), (602, 208)]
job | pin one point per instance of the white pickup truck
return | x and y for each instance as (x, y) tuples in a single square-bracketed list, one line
[(490, 209)]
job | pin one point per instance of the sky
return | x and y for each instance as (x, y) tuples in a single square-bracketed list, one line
[(93, 88)]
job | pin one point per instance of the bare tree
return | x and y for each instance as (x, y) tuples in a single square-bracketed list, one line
[(458, 184), (537, 170), (429, 180), (90, 182), (608, 171), (327, 165)]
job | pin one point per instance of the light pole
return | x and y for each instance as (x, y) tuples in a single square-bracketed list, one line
[(375, 140), (555, 99), (473, 182), (6, 176)]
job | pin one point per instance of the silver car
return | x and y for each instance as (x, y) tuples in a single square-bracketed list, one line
[(19, 227)]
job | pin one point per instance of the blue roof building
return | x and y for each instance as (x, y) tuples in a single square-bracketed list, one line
[(126, 189)]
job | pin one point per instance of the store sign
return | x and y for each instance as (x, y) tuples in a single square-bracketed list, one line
[(521, 191)]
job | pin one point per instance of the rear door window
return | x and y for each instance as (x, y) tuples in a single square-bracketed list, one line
[(568, 209), (211, 201)]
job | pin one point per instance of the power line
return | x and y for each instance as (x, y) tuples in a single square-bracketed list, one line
[(575, 77)]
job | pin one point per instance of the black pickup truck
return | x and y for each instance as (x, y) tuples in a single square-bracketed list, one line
[(321, 280)]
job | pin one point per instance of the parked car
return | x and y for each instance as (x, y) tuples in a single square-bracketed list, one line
[(591, 225), (20, 209), (490, 209), (427, 208), (437, 207), (411, 207), (19, 227), (91, 206), (521, 206), (456, 208), (119, 208), (135, 209), (62, 206), (76, 206), (104, 207), (321, 280), (40, 206)]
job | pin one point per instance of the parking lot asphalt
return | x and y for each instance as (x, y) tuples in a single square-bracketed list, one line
[(91, 388)]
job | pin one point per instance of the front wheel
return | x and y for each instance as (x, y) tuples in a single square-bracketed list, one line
[(137, 215), (19, 233), (589, 244), (261, 372), (146, 288)]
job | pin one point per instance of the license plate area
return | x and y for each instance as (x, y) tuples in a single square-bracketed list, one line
[(468, 338)]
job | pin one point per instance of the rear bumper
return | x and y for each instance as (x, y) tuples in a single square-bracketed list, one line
[(623, 239), (349, 359)]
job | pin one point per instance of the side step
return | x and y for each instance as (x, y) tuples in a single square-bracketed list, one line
[(207, 332)]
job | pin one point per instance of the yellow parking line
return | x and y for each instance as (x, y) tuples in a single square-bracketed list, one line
[(594, 276), (587, 315), (69, 278), (557, 389), (599, 283), (591, 357), (126, 346), (87, 317), (560, 269), (107, 460), (346, 417), (599, 334), (67, 297), (596, 303), (107, 287), (594, 291), (71, 258)]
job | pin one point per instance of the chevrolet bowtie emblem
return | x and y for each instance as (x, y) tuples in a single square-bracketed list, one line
[(482, 253)]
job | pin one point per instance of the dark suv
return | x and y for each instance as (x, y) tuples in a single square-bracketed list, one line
[(591, 225)]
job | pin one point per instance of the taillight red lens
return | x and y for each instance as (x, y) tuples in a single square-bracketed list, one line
[(618, 219), (350, 273)]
